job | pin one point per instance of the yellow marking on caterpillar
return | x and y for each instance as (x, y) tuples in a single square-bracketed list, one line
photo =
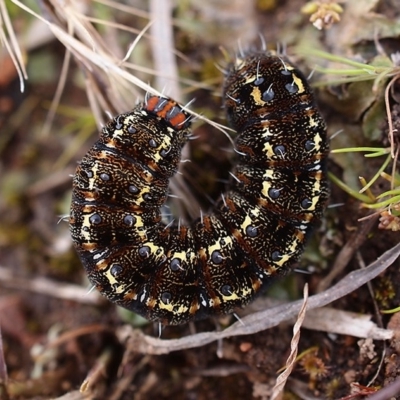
[(92, 180), (299, 82)]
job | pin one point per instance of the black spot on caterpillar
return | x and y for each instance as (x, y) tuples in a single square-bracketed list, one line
[(278, 190)]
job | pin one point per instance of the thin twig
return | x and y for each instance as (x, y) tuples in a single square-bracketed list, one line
[(347, 252), (49, 287)]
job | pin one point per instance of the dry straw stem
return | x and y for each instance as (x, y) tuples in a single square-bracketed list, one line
[(110, 80), (8, 38), (277, 391), (102, 68), (163, 47), (75, 31), (263, 320)]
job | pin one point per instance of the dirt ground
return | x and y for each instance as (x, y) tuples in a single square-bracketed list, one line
[(61, 341)]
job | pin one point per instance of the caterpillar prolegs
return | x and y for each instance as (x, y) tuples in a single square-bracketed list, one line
[(253, 234)]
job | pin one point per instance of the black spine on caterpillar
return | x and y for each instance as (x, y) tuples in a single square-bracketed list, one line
[(259, 228)]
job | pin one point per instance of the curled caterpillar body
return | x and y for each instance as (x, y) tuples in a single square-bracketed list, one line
[(174, 274)]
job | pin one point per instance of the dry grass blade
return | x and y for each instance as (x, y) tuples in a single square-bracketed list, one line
[(272, 317), (91, 53), (125, 8), (111, 83), (389, 114), (94, 57), (57, 95), (277, 391), (9, 40)]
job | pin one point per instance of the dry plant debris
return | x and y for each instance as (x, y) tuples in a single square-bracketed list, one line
[(87, 60)]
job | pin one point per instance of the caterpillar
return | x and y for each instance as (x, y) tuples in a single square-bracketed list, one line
[(254, 233)]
